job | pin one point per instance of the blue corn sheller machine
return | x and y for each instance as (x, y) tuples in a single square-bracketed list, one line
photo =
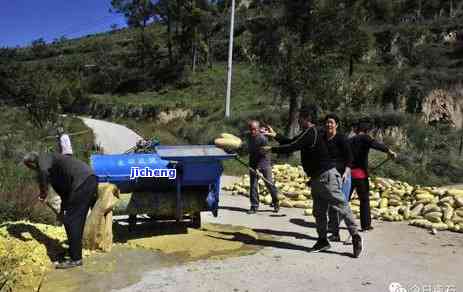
[(172, 171)]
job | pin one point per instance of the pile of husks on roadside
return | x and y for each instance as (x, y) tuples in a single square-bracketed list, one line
[(25, 250), (390, 200)]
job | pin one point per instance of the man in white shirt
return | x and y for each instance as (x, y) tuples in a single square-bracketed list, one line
[(64, 142)]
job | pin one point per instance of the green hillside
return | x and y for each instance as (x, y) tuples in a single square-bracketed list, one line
[(378, 60)]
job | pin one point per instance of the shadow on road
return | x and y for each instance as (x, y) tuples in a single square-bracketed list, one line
[(304, 223), (234, 209), (248, 239), (239, 209), (285, 233), (339, 253), (146, 229)]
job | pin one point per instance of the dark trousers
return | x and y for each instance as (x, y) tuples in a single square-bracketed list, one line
[(254, 190), (75, 214), (363, 191), (326, 192)]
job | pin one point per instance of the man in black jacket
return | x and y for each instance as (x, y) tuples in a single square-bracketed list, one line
[(75, 183), (325, 180), (339, 150), (361, 144)]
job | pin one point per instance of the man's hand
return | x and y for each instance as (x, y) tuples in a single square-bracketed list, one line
[(266, 148), (270, 132), (392, 154), (346, 174), (43, 196)]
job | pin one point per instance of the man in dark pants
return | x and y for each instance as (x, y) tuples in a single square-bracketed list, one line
[(339, 150), (325, 179), (75, 183), (260, 161), (360, 145)]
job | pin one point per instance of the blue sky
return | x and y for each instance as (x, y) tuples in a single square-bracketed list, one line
[(22, 21)]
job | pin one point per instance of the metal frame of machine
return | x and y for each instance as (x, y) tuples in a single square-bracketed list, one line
[(196, 165)]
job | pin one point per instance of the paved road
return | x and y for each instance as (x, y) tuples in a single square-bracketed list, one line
[(112, 137), (395, 252)]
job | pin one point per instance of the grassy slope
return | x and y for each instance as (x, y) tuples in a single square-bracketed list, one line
[(207, 91), (17, 184)]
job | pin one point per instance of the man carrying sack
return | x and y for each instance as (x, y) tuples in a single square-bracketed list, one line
[(76, 184)]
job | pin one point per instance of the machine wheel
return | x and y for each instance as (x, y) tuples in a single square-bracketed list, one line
[(196, 220)]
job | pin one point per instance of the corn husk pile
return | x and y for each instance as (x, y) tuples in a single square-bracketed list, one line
[(24, 253), (390, 200), (98, 231), (26, 248), (291, 183)]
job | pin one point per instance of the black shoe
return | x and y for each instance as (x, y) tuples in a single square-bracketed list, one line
[(321, 245), (69, 264), (357, 244), (253, 210), (367, 229), (334, 237), (276, 207), (61, 257)]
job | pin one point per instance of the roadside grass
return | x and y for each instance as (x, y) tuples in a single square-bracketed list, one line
[(18, 185)]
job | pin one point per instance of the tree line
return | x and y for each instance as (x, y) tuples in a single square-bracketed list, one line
[(305, 50)]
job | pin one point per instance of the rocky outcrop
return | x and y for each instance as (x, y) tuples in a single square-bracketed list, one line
[(444, 106), (397, 135)]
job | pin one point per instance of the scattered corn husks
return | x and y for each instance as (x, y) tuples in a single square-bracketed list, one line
[(390, 200)]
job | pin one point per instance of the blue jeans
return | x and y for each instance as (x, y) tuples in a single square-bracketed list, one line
[(346, 185), (333, 215)]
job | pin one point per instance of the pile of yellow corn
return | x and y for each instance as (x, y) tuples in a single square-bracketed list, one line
[(26, 250), (24, 253), (390, 200)]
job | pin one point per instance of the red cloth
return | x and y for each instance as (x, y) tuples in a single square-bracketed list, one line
[(358, 173)]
